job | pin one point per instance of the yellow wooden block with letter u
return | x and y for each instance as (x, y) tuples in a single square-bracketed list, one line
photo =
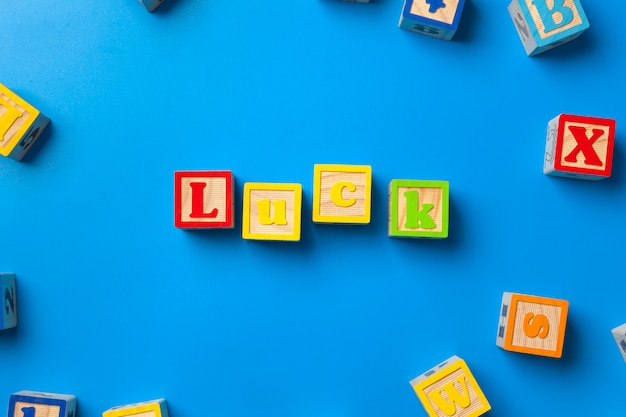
[(271, 211), (449, 389), (20, 124)]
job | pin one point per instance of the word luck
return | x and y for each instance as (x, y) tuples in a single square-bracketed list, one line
[(341, 195)]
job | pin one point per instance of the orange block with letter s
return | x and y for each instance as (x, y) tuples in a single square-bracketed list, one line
[(531, 324)]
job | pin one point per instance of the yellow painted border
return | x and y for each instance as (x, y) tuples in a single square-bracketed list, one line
[(453, 367), (317, 191), (297, 210), (132, 409), (34, 113)]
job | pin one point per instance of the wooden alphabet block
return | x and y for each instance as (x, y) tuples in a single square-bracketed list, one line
[(546, 24), (619, 334), (418, 208), (153, 408), (41, 404), (150, 5), (272, 211), (203, 199), (579, 147), (358, 1), (8, 318), (342, 193), (436, 18), (531, 324), (20, 124), (450, 389)]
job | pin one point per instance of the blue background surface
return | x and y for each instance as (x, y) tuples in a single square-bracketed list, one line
[(116, 305)]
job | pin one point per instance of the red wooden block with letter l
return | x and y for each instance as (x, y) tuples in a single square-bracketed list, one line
[(579, 147), (203, 199)]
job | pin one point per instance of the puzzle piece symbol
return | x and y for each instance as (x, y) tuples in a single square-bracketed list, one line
[(435, 5)]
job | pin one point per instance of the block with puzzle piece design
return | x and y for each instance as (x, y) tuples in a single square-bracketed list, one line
[(20, 124), (532, 325), (418, 208), (203, 199), (153, 408), (546, 24), (41, 404), (272, 211), (449, 389), (619, 334), (437, 18), (8, 318), (342, 193), (579, 147)]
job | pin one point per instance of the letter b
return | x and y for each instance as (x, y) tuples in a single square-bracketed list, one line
[(548, 15)]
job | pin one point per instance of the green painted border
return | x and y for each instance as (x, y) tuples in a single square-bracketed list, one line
[(393, 207)]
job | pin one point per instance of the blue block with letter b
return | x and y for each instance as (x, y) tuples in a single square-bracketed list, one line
[(546, 24)]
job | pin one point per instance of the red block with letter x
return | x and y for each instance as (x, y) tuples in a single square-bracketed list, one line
[(203, 199), (579, 147)]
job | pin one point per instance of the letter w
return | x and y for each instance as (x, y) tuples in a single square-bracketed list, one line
[(462, 399), (585, 145)]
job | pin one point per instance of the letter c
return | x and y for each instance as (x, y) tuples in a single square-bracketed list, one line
[(337, 189)]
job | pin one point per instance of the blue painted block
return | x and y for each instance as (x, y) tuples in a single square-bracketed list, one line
[(35, 404), (8, 318), (543, 25), (150, 5), (437, 18)]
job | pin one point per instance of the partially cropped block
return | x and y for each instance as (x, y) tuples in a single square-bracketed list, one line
[(437, 18), (579, 147), (41, 404), (358, 1), (8, 318), (532, 325), (545, 24), (619, 334), (342, 193), (272, 211), (203, 199), (20, 124), (450, 389), (418, 208), (153, 408), (150, 5)]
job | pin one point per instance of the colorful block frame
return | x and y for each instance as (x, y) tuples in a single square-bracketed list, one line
[(515, 339), (444, 375), (157, 407), (224, 201), (554, 158), (24, 130), (8, 295), (396, 208), (272, 191), (439, 25), (536, 40), (363, 197), (66, 403)]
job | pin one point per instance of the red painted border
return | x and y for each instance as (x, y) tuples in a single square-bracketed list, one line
[(178, 222), (610, 123)]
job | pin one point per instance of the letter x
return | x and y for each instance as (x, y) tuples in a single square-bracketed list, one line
[(584, 145)]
